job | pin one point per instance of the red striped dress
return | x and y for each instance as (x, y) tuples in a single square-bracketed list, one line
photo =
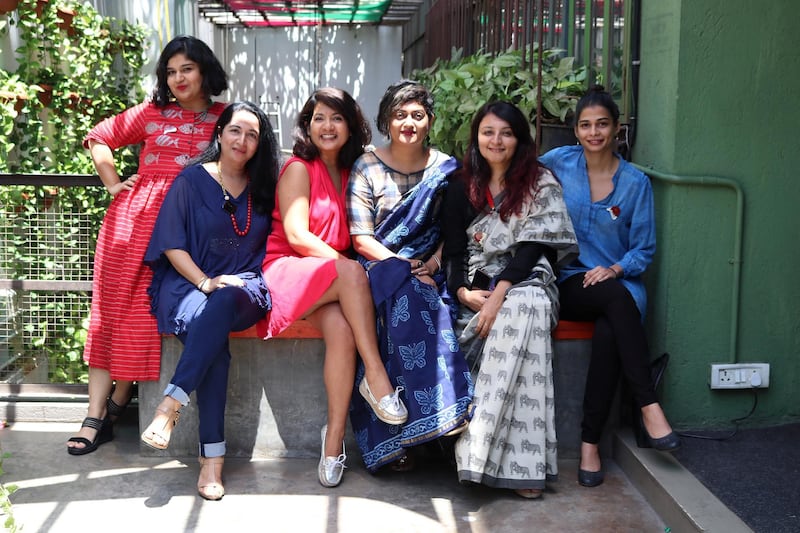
[(122, 337)]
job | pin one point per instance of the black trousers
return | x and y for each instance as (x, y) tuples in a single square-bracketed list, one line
[(619, 345)]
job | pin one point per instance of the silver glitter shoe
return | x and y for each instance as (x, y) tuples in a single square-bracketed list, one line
[(330, 469)]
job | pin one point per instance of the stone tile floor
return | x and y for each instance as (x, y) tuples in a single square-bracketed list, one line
[(116, 489)]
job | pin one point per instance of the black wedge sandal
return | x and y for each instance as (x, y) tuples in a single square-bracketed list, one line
[(103, 435), (114, 409)]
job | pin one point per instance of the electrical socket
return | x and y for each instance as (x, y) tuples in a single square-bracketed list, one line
[(739, 375)]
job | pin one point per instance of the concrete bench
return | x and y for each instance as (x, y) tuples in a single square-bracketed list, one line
[(276, 397)]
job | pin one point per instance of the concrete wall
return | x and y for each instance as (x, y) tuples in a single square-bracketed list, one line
[(276, 399), (717, 98)]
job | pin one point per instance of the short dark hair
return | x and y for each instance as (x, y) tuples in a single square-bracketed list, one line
[(398, 95), (597, 95), (263, 167), (215, 80), (341, 102)]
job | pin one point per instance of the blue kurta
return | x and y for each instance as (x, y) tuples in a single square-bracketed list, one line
[(619, 229), (192, 219)]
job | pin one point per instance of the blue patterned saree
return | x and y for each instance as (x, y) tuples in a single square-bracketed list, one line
[(415, 332)]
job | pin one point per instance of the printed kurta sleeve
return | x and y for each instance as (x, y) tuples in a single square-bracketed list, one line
[(125, 129)]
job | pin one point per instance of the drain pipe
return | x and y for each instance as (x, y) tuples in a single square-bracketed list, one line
[(636, 44), (713, 181)]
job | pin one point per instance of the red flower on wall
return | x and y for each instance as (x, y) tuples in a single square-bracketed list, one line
[(613, 211)]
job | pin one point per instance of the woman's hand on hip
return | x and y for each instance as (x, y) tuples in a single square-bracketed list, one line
[(126, 185)]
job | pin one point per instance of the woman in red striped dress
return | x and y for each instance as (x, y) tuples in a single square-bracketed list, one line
[(123, 344)]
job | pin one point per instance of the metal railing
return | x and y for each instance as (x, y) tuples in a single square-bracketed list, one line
[(46, 259), (594, 31)]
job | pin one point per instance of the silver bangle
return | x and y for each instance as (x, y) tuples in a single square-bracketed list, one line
[(438, 263)]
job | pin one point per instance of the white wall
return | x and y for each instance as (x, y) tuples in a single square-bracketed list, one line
[(285, 65)]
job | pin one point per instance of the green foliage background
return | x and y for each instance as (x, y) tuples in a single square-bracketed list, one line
[(68, 79), (462, 85)]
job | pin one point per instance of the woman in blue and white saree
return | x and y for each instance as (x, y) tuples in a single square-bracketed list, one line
[(394, 202)]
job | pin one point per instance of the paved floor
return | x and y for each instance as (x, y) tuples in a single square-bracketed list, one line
[(117, 490)]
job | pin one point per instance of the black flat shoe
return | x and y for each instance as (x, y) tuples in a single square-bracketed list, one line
[(103, 435), (590, 479)]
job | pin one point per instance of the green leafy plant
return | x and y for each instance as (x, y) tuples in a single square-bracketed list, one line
[(461, 85), (93, 68), (6, 509), (14, 94)]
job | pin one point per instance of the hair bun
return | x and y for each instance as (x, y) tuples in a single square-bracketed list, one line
[(597, 88)]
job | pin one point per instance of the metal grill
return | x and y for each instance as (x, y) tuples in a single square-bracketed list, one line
[(47, 243)]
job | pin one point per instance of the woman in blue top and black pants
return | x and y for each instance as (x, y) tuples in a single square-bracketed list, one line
[(611, 206)]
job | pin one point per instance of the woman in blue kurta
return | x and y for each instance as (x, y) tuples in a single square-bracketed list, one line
[(206, 253), (611, 206), (394, 200)]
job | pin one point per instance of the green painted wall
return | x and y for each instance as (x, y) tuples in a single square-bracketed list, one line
[(718, 97)]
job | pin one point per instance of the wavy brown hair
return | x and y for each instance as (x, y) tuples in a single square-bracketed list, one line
[(341, 102)]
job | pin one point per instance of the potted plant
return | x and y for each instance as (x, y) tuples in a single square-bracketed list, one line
[(460, 86), (562, 86), (13, 91), (46, 80), (65, 16), (7, 6)]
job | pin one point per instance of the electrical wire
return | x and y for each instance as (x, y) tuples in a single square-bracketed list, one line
[(735, 422)]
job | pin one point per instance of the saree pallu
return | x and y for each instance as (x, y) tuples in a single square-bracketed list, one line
[(416, 337), (511, 441)]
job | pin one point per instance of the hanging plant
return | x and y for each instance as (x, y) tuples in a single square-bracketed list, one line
[(7, 6), (40, 7), (42, 136), (65, 16)]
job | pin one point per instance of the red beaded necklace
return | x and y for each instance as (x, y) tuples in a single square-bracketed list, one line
[(231, 208)]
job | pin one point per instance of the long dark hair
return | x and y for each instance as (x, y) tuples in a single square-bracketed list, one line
[(215, 80), (341, 102), (262, 167), (523, 172)]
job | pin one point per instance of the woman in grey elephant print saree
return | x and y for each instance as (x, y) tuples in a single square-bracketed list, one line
[(505, 231)]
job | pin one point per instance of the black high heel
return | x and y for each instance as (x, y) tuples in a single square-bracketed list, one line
[(657, 368), (103, 435), (667, 443)]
